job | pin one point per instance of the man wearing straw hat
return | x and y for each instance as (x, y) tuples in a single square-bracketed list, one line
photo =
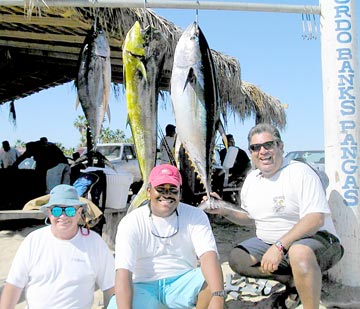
[(59, 265)]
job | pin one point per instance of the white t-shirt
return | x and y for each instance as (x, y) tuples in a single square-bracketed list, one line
[(279, 202), (61, 273), (153, 258)]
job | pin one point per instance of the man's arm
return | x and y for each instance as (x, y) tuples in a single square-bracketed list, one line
[(10, 296), (227, 210), (307, 226), (211, 269), (107, 295), (123, 288)]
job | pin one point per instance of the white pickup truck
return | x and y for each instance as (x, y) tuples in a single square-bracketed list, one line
[(123, 157)]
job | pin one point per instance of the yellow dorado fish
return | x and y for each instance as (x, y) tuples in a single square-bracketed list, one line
[(143, 56)]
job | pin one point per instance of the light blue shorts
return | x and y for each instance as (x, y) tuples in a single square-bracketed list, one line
[(174, 292)]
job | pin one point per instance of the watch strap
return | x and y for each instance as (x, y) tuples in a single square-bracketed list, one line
[(221, 293), (280, 246)]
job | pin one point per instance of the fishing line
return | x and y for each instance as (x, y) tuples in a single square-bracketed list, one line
[(315, 27), (197, 13), (309, 25), (304, 36)]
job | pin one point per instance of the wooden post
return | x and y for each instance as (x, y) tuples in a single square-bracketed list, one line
[(112, 217)]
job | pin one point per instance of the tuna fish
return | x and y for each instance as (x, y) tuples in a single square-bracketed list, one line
[(195, 98), (94, 80), (143, 58)]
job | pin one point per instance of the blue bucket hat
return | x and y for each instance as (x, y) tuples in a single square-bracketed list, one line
[(63, 195)]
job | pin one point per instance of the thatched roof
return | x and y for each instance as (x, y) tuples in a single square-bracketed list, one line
[(40, 49)]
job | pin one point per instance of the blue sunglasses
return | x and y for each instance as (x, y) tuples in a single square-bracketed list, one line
[(57, 211)]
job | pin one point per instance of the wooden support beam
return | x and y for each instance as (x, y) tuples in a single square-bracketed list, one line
[(51, 37), (44, 21)]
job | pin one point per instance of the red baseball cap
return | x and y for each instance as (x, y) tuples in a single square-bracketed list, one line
[(165, 174)]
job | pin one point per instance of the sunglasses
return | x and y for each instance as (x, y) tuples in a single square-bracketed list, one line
[(268, 145), (57, 211), (154, 230)]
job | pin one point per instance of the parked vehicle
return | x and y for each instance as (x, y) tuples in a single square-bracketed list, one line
[(316, 158), (123, 157)]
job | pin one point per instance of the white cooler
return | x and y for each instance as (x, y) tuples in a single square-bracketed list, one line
[(117, 189)]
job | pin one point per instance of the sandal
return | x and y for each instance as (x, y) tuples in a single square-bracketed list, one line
[(293, 299), (288, 300)]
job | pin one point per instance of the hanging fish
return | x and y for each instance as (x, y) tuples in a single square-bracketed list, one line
[(94, 80), (143, 58), (195, 99)]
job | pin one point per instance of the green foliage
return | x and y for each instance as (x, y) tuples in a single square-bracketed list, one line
[(107, 135)]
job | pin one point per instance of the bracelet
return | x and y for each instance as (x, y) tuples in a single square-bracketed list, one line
[(281, 247)]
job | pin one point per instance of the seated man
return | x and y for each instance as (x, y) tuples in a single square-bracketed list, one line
[(157, 249), (296, 239)]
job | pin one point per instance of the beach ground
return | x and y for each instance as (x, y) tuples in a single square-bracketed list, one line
[(227, 235)]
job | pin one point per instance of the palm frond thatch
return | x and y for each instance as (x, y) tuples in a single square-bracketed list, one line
[(240, 98)]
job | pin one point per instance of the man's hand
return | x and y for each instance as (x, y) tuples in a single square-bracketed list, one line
[(212, 207), (271, 260)]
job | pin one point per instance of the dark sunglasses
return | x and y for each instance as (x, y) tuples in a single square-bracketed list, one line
[(267, 145), (57, 211)]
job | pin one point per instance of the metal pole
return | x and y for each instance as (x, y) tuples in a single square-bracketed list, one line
[(173, 4)]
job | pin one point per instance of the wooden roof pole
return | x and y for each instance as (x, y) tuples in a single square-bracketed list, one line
[(175, 4)]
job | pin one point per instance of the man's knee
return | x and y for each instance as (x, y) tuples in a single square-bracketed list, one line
[(303, 260), (240, 260)]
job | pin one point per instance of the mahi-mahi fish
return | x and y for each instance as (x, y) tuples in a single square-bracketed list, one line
[(195, 99), (94, 80), (143, 58)]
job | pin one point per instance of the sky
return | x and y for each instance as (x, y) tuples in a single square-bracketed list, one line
[(273, 55)]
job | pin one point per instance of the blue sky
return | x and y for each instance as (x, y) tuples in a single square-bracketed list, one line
[(273, 56)]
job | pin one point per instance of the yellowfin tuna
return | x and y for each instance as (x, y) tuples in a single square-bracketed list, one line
[(94, 80)]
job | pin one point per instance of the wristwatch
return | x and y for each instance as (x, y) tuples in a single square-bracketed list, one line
[(219, 293), (280, 246)]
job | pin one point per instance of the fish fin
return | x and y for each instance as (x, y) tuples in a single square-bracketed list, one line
[(140, 66), (194, 82), (108, 113), (127, 121), (12, 113), (77, 102)]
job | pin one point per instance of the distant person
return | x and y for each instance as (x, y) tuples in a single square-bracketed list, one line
[(60, 265), (242, 162), (9, 156), (158, 248), (167, 145), (51, 163), (76, 167)]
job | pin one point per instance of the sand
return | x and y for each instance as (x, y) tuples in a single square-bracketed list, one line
[(227, 235)]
